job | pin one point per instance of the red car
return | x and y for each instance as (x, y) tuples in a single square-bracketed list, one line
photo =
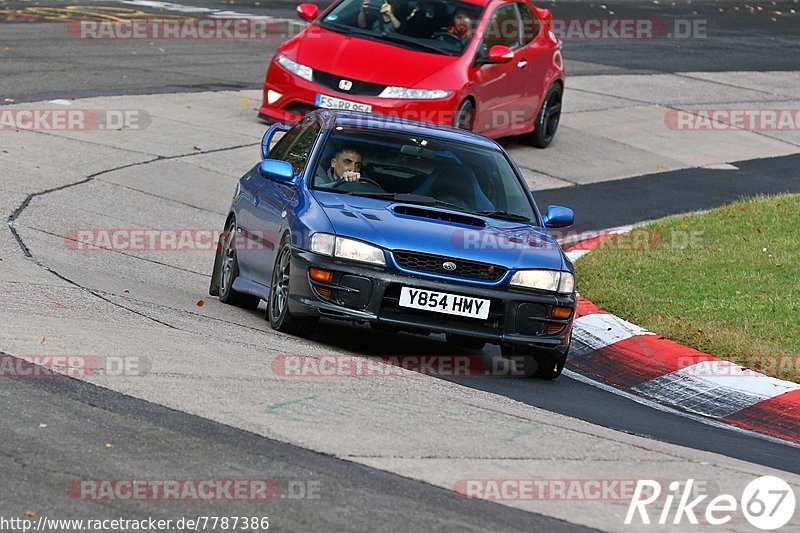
[(490, 66)]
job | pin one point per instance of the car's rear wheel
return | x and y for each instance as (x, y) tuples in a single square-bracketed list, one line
[(534, 362), (465, 116), (228, 271), (463, 341), (278, 314), (547, 120)]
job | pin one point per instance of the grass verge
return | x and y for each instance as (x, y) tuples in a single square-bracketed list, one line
[(726, 282)]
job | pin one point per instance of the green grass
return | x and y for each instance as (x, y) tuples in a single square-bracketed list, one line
[(726, 282)]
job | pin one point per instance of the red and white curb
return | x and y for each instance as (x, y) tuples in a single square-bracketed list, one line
[(626, 356)]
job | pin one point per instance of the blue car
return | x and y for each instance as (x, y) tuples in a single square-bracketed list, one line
[(403, 225)]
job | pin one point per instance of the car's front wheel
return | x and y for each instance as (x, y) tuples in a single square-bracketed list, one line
[(465, 116), (547, 120), (227, 270), (278, 314), (534, 362)]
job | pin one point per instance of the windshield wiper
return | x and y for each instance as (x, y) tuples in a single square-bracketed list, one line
[(505, 215)]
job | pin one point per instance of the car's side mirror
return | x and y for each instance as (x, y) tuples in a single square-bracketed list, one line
[(267, 139), (558, 217), (277, 170), (497, 54), (500, 54), (308, 12)]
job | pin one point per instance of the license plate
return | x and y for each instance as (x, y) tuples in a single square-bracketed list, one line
[(443, 302), (329, 102)]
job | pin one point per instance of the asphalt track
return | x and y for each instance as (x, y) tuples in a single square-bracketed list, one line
[(159, 442)]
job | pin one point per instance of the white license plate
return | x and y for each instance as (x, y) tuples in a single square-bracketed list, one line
[(329, 102), (443, 302)]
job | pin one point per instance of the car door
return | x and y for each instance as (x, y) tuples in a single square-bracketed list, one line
[(536, 51), (249, 240), (274, 198), (499, 87)]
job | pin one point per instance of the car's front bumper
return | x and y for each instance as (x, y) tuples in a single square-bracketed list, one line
[(298, 97), (369, 294)]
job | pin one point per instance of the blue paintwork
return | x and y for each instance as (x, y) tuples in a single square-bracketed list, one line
[(283, 208)]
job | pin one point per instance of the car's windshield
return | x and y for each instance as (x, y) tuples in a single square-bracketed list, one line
[(437, 26), (424, 170)]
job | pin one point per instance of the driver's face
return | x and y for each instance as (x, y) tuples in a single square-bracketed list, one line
[(347, 161), (461, 21)]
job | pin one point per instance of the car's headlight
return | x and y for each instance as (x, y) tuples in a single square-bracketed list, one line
[(402, 93), (344, 248), (546, 280), (295, 68)]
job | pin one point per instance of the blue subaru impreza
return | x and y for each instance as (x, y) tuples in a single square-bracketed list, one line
[(403, 225)]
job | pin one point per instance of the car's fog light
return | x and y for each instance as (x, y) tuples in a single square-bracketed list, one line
[(561, 313), (273, 96), (318, 274)]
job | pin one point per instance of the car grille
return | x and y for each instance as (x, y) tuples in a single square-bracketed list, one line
[(464, 269), (359, 88)]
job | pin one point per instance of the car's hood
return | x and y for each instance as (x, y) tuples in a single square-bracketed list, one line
[(368, 60), (509, 244)]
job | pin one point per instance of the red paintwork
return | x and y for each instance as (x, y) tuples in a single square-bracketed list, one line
[(507, 97)]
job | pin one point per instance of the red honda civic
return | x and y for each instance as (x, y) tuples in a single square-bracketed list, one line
[(490, 66)]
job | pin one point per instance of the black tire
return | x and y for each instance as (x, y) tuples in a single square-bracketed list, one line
[(547, 120), (278, 314), (537, 363), (228, 271), (465, 116), (471, 343)]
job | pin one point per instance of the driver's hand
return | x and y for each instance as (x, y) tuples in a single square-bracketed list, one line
[(386, 9), (351, 175)]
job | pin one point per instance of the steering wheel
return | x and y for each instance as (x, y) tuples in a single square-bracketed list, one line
[(362, 185), (445, 36)]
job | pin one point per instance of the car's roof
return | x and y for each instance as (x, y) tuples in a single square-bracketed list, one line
[(333, 118)]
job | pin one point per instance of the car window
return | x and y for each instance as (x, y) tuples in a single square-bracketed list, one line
[(279, 150), (465, 177), (298, 153), (503, 29), (432, 26), (530, 24)]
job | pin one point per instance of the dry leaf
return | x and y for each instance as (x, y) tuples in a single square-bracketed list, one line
[(245, 102), (201, 303), (43, 339), (42, 425), (31, 514), (9, 100), (126, 290), (109, 445), (197, 148)]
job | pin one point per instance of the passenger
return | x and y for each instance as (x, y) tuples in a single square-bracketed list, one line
[(386, 22), (345, 165), (461, 25)]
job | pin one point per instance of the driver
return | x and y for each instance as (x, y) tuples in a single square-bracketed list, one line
[(345, 165), (461, 25)]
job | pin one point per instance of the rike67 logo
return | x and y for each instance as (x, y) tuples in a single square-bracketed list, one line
[(767, 503)]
